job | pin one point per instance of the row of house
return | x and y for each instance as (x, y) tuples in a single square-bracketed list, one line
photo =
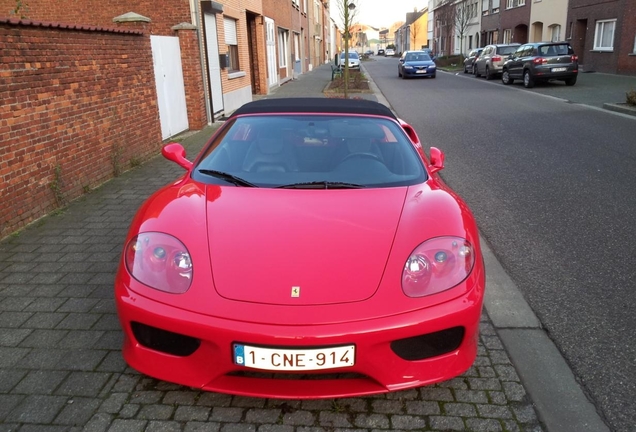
[(602, 32)]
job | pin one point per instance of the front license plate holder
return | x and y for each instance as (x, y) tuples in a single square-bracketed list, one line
[(293, 359), (420, 71)]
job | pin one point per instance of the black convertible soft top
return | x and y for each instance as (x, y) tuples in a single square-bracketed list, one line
[(315, 105)]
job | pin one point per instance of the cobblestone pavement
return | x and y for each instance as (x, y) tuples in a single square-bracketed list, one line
[(61, 367)]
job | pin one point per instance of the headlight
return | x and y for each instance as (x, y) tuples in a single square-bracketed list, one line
[(431, 67), (437, 265), (160, 261)]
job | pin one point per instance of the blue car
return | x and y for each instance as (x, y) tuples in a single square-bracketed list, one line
[(416, 64)]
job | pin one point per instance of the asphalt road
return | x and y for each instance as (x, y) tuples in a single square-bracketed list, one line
[(552, 186)]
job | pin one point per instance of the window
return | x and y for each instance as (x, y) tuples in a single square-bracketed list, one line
[(495, 6), (521, 3), (231, 40), (570, 31), (604, 35), (297, 47), (510, 4), (526, 51), (484, 7), (555, 33), (634, 50), (282, 48), (507, 36)]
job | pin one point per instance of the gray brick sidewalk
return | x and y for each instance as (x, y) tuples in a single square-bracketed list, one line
[(60, 361)]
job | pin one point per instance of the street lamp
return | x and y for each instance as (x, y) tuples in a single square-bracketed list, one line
[(348, 9)]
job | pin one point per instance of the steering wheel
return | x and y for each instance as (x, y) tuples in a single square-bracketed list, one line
[(362, 156)]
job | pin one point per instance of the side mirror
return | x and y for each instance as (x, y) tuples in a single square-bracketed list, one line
[(176, 153), (401, 60), (437, 160)]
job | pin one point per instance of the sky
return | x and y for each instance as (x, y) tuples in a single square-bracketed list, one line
[(377, 13)]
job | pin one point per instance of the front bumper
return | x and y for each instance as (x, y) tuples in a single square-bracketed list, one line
[(377, 368), (419, 72)]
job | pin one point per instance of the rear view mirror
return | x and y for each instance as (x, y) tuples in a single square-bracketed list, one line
[(437, 160), (176, 153)]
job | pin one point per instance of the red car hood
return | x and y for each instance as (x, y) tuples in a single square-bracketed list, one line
[(301, 247)]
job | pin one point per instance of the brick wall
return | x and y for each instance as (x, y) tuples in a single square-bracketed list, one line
[(164, 14), (80, 102), (192, 78), (627, 50)]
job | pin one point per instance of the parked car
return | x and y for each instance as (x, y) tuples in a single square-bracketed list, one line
[(415, 64), (380, 52), (429, 52), (542, 61), (469, 61), (354, 60), (389, 52), (291, 261), (490, 61)]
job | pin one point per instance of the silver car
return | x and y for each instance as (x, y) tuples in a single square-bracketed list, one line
[(354, 60), (490, 61)]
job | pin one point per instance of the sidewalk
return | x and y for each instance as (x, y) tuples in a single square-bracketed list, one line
[(60, 361), (310, 84)]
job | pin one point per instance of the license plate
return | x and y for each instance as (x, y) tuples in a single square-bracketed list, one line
[(559, 69), (280, 359), (420, 71)]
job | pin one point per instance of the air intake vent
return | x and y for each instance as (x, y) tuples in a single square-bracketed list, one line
[(164, 341), (429, 345)]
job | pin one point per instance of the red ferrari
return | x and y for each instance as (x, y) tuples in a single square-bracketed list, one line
[(311, 250)]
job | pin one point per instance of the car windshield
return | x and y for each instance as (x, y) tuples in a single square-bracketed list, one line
[(416, 57), (352, 55), (311, 151), (555, 50)]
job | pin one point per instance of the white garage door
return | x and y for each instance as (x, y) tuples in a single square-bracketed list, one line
[(166, 58)]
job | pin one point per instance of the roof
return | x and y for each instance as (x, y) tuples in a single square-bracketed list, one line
[(315, 105)]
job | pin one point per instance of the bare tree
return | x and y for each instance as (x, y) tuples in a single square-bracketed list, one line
[(415, 30), (445, 20), (462, 19), (347, 13)]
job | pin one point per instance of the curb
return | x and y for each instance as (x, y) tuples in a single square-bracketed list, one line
[(621, 108)]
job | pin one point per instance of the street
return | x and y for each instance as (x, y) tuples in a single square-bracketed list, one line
[(551, 185)]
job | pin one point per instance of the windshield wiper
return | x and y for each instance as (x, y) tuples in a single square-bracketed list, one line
[(322, 185), (227, 177)]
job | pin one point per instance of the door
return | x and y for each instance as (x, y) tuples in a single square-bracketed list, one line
[(515, 66), (296, 55), (214, 66), (166, 59), (270, 44)]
